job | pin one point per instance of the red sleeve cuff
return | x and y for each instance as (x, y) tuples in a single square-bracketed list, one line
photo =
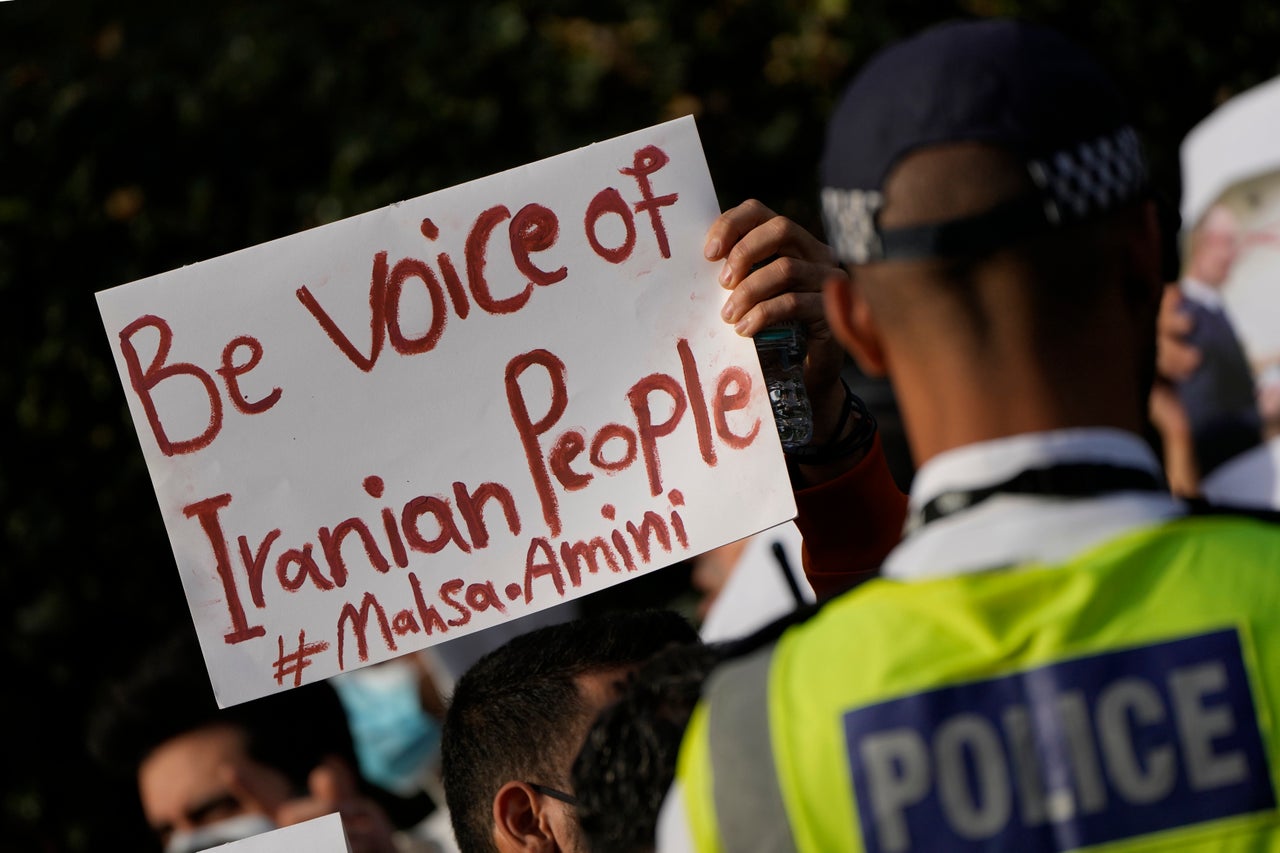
[(850, 524)]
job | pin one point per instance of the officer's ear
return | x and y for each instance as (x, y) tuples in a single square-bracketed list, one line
[(519, 825), (851, 321)]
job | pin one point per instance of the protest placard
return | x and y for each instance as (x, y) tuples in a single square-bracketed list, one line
[(1231, 263), (1231, 165), (422, 421), (323, 834)]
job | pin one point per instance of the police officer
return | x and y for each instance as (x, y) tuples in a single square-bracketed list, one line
[(1058, 655)]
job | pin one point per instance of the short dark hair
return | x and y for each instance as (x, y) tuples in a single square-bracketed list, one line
[(168, 695), (628, 760), (507, 718)]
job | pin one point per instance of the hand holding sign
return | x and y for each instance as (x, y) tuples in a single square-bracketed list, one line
[(775, 272), (425, 420)]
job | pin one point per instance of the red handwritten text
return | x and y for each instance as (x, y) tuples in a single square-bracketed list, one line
[(733, 389), (144, 381), (533, 229), (426, 524)]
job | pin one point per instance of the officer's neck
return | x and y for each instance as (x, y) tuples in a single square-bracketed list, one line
[(949, 405)]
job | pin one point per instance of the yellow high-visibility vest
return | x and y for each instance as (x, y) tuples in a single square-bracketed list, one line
[(1123, 700)]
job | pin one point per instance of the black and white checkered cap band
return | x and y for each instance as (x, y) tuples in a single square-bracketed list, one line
[(850, 218), (1091, 178), (1076, 183)]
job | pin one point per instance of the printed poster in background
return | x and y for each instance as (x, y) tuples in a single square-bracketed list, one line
[(1231, 288), (429, 419)]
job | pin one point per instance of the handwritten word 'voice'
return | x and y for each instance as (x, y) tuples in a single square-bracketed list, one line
[(531, 230)]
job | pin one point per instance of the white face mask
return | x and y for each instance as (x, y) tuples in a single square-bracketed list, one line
[(231, 829)]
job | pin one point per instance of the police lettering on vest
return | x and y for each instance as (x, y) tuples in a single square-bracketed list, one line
[(1067, 755)]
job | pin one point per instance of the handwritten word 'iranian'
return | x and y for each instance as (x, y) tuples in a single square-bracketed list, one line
[(300, 565), (564, 564)]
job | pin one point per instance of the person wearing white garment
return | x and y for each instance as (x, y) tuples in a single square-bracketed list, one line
[(750, 583), (207, 776)]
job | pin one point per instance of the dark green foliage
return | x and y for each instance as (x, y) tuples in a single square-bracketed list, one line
[(136, 137)]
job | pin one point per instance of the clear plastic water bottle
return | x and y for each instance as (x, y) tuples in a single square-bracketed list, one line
[(781, 350)]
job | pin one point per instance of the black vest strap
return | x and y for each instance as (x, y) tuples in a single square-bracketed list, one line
[(1200, 506), (1068, 480)]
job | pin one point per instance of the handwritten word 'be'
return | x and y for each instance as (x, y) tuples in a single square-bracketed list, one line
[(534, 228)]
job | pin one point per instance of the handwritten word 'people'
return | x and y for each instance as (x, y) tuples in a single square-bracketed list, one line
[(732, 392)]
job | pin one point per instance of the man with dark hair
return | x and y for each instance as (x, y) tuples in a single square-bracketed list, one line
[(1056, 656), (518, 717), (207, 776), (628, 758)]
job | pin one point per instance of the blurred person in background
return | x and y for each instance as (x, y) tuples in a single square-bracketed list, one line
[(1216, 387), (207, 776), (517, 719), (628, 757)]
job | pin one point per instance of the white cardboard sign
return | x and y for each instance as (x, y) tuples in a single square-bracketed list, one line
[(428, 419), (323, 834)]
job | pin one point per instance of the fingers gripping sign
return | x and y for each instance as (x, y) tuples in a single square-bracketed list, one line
[(775, 271)]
